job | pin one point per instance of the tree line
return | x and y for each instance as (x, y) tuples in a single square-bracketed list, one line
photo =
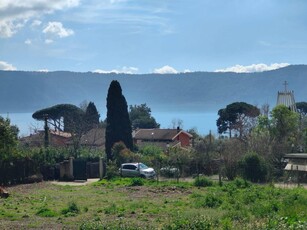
[(251, 143)]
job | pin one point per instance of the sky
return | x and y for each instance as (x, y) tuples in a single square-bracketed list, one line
[(152, 36)]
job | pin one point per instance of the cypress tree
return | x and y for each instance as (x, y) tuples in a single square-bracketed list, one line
[(118, 122), (91, 116)]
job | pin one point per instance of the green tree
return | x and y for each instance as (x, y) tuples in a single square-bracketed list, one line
[(63, 117), (302, 108), (91, 117), (8, 138), (140, 117), (231, 151), (238, 118), (118, 122), (284, 124)]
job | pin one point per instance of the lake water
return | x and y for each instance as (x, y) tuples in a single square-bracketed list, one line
[(203, 122)]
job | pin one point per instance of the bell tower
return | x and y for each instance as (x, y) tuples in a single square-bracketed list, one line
[(286, 98)]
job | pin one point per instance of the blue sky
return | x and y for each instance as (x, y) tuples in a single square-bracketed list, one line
[(146, 36)]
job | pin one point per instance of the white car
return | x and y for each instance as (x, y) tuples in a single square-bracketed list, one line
[(136, 170)]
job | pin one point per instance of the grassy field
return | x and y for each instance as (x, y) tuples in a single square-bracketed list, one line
[(138, 204)]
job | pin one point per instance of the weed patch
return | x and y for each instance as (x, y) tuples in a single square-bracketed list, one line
[(71, 210), (46, 212), (203, 182)]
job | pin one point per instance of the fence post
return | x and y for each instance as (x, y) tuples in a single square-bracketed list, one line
[(101, 168), (71, 167)]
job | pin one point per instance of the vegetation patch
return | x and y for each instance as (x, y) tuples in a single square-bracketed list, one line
[(203, 182), (71, 210), (46, 212)]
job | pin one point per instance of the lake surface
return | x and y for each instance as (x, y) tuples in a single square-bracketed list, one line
[(203, 122)]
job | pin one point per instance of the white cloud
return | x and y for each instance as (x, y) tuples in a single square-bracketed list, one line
[(253, 68), (43, 70), (36, 23), (125, 70), (6, 66), (48, 41), (57, 29), (165, 69), (187, 71), (28, 42), (15, 14)]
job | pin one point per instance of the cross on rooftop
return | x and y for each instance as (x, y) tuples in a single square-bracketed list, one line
[(285, 84)]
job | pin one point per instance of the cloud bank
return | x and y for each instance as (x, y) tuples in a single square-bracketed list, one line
[(6, 66), (125, 70), (165, 70), (253, 68)]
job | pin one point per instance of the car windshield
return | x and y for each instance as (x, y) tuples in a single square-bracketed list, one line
[(142, 166)]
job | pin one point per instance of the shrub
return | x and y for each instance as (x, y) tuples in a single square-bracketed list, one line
[(203, 182), (212, 201), (72, 209), (112, 170), (241, 183), (45, 212), (253, 168), (137, 181), (199, 222)]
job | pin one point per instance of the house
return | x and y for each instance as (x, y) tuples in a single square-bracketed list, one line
[(95, 138), (56, 139), (164, 138)]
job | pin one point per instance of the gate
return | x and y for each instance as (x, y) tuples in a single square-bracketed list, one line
[(79, 169)]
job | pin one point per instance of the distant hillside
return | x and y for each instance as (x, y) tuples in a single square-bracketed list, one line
[(199, 91)]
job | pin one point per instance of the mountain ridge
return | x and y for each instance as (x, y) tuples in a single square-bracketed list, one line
[(28, 91)]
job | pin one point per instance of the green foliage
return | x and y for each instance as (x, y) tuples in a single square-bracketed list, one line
[(112, 209), (115, 204), (181, 159), (91, 116), (118, 122), (284, 123), (302, 108), (237, 117), (46, 212), (137, 181), (253, 167), (122, 154), (232, 150), (8, 139), (203, 182), (212, 200), (198, 222), (285, 223), (65, 117), (112, 170), (71, 209), (140, 117), (240, 183)]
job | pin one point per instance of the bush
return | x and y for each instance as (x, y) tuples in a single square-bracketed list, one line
[(253, 168), (71, 210), (112, 170), (137, 181), (199, 222), (212, 201), (203, 182), (46, 212), (240, 183)]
